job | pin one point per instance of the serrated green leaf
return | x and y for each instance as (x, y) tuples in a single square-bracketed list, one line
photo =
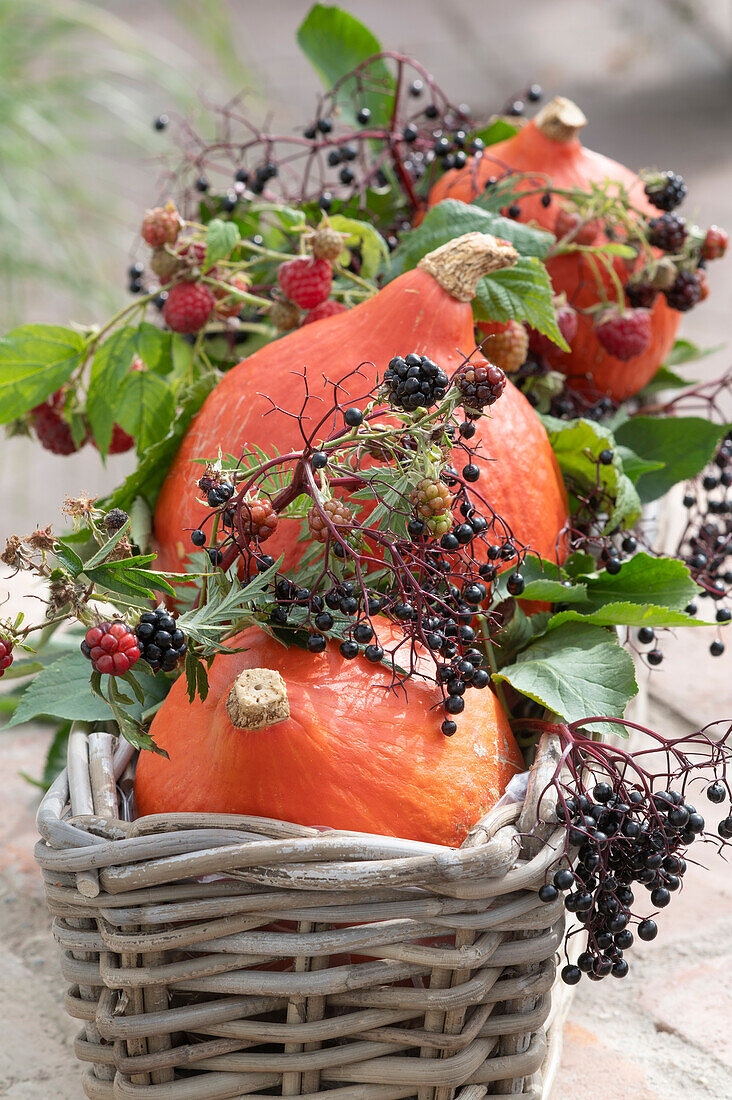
[(110, 366), (626, 614), (664, 379), (335, 43), (130, 580), (145, 407), (374, 250), (686, 351), (634, 465), (515, 633), (684, 444), (498, 130), (62, 690), (663, 582), (577, 671), (154, 346), (520, 293), (35, 360), (221, 237)]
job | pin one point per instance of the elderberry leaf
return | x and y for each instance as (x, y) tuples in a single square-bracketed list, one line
[(221, 238), (661, 582), (543, 581), (498, 130), (577, 671), (684, 444), (35, 360)]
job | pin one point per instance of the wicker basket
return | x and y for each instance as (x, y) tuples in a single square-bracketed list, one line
[(214, 956)]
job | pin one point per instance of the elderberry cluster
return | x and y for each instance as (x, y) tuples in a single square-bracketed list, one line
[(624, 839)]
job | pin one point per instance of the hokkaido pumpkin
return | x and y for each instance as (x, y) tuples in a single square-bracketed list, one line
[(549, 145), (351, 754), (426, 310)]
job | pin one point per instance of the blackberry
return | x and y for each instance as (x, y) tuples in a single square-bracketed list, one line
[(640, 295), (160, 641), (480, 385), (667, 232), (415, 382), (666, 190), (684, 292)]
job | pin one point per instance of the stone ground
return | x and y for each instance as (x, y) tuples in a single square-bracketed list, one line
[(665, 1030)]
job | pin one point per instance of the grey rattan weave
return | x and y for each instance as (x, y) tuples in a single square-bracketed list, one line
[(212, 957)]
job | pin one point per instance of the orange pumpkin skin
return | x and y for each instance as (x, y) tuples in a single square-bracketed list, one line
[(352, 755), (568, 165), (412, 313)]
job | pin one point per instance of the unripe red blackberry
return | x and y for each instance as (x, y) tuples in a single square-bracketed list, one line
[(51, 427), (6, 654), (111, 647), (326, 242), (570, 222), (339, 515), (508, 344), (258, 517), (715, 243), (668, 232), (166, 264), (480, 384)]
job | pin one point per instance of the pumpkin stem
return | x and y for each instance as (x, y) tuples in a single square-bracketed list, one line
[(460, 264), (561, 120), (257, 698)]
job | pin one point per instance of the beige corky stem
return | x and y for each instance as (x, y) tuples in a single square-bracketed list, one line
[(560, 120), (258, 698), (460, 264)]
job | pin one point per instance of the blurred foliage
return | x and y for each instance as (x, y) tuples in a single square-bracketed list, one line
[(78, 90)]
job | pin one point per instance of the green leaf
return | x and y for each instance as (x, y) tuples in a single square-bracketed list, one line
[(68, 559), (663, 582), (34, 361), (62, 690), (145, 407), (334, 43), (684, 444), (577, 671), (498, 130), (154, 348), (626, 614), (663, 379), (221, 237), (107, 547), (520, 293), (450, 219), (543, 581), (128, 577), (633, 465), (374, 251), (685, 351), (515, 633)]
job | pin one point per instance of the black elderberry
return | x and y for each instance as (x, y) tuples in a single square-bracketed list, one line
[(716, 792), (546, 200), (646, 635), (464, 534), (319, 460), (202, 184), (480, 679), (655, 657), (606, 457), (471, 472), (363, 115), (613, 566), (571, 974), (454, 704), (363, 633), (161, 122), (415, 528), (374, 653), (215, 556), (353, 417), (725, 828), (349, 650), (515, 584), (316, 643), (660, 897), (548, 892), (198, 538), (448, 727), (716, 648), (564, 879), (535, 93), (514, 211), (346, 175)]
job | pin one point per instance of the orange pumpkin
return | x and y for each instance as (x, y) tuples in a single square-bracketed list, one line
[(426, 310), (549, 145), (352, 754)]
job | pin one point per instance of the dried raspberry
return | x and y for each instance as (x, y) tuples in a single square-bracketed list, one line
[(715, 243), (667, 232), (640, 295), (285, 316), (685, 292), (112, 648), (53, 431), (114, 520), (165, 264), (6, 654), (570, 223), (188, 307), (326, 309), (160, 641), (161, 226), (431, 500), (228, 305), (566, 319), (306, 282), (326, 242), (624, 335), (508, 344), (258, 517), (481, 384), (339, 515)]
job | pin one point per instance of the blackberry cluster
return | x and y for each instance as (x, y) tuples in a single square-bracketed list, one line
[(666, 191), (667, 232), (415, 382), (161, 643), (640, 295), (624, 839), (217, 491), (480, 385), (685, 291)]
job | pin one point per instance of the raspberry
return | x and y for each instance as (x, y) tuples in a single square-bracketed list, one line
[(6, 654), (228, 305), (685, 292), (481, 384), (120, 441), (431, 500), (306, 282), (194, 253), (415, 382), (285, 315), (715, 243), (161, 643), (53, 431), (188, 307), (112, 648), (325, 309), (701, 278), (508, 345), (566, 319), (326, 242), (640, 295), (667, 232), (624, 335), (665, 190), (161, 226), (258, 517), (339, 515), (569, 222)]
